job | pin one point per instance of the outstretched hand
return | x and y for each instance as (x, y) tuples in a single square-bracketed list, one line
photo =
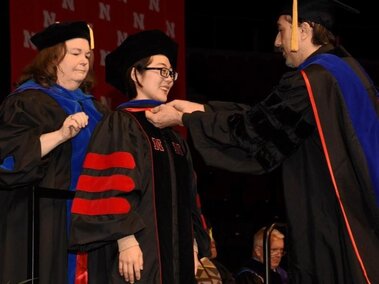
[(164, 116), (171, 113), (186, 106)]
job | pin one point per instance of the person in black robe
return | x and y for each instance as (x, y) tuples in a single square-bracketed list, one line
[(320, 123), (45, 125), (135, 210)]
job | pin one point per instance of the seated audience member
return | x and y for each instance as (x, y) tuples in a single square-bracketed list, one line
[(211, 270), (253, 272)]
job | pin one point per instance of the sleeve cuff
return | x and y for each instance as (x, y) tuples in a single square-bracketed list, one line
[(127, 242)]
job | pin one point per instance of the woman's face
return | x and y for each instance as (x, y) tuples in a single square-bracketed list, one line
[(153, 85), (73, 69)]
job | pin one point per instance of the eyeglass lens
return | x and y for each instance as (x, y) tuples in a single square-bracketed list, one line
[(167, 72), (164, 72), (277, 251)]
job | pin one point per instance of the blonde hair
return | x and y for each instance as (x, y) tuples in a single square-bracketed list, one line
[(259, 236)]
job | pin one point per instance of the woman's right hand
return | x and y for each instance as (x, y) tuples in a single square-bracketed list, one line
[(70, 128), (73, 124)]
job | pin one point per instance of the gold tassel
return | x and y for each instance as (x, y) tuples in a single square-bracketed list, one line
[(211, 233), (92, 40), (294, 30)]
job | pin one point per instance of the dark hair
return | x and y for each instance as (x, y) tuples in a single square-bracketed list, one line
[(43, 68), (130, 85), (321, 35), (135, 47)]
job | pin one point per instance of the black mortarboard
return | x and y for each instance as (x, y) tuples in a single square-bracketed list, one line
[(60, 32), (322, 12), (134, 48)]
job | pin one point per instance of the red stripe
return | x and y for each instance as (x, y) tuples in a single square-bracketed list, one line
[(203, 222), (106, 206), (132, 109), (326, 153), (198, 201), (114, 160), (104, 183), (81, 274)]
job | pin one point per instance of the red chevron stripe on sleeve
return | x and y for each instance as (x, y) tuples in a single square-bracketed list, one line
[(113, 160), (105, 206), (105, 183)]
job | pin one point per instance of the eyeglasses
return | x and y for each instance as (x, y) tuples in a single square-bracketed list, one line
[(277, 251), (164, 72)]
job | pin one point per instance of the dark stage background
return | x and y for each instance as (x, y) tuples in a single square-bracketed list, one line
[(228, 55)]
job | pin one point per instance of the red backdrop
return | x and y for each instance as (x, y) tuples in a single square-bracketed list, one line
[(112, 21)]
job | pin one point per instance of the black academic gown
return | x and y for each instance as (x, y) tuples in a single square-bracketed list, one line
[(31, 183), (143, 178), (254, 272), (333, 231)]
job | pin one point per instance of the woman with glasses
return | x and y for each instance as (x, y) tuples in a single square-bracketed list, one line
[(253, 272), (136, 198)]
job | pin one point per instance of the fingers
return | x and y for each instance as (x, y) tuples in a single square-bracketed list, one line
[(73, 124), (166, 116), (130, 264), (178, 104), (162, 107), (126, 271), (137, 271), (186, 106), (130, 272), (77, 120), (174, 102), (141, 262), (155, 109)]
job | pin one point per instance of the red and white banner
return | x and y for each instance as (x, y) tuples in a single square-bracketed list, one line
[(112, 21)]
